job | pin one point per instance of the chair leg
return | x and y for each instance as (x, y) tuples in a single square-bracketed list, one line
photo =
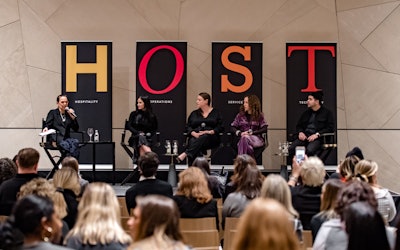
[(130, 176)]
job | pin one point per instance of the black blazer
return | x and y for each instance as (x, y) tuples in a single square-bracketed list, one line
[(54, 121)]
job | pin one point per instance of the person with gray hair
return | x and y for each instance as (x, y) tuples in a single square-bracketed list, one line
[(306, 190)]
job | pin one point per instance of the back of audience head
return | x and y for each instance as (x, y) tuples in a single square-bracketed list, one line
[(356, 151), (67, 178), (35, 218), (275, 187), (8, 169), (365, 227), (70, 162), (354, 191), (329, 196), (148, 164), (155, 215), (240, 164), (28, 159), (265, 225), (98, 220), (193, 184), (313, 172), (250, 183), (346, 168), (202, 163), (365, 170)]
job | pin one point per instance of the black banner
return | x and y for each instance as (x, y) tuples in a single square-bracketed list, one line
[(87, 81), (310, 67), (236, 71), (161, 75)]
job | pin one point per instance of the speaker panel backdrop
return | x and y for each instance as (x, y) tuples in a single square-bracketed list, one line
[(87, 81), (310, 67), (161, 75), (236, 71)]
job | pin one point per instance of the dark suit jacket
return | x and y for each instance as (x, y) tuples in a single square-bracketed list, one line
[(54, 121), (9, 190), (324, 122), (190, 208), (145, 187)]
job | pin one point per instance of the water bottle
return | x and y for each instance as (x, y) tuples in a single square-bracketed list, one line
[(96, 136), (168, 147), (175, 147)]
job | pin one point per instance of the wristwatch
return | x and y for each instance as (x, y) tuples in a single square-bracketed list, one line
[(317, 134)]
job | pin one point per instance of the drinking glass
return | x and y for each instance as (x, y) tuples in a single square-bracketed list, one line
[(90, 132)]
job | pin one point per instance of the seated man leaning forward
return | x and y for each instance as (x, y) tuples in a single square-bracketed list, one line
[(148, 184), (316, 120)]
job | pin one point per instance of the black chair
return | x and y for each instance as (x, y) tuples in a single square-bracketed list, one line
[(257, 151), (329, 143), (52, 146), (133, 152)]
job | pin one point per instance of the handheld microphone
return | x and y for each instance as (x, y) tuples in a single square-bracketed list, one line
[(72, 113), (203, 125)]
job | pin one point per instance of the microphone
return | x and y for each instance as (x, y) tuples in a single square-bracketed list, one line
[(72, 113), (203, 125)]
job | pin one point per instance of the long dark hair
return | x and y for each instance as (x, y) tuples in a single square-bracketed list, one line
[(254, 107), (251, 182), (365, 227), (147, 104)]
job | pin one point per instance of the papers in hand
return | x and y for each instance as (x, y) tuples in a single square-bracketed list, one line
[(48, 132)]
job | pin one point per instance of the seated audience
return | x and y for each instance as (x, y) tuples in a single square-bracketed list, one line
[(155, 224), (27, 163), (366, 170), (332, 234), (36, 219), (43, 188), (148, 184), (215, 186), (265, 225), (99, 221), (365, 227), (275, 187), (193, 198), (329, 195), (345, 170), (240, 164), (66, 182), (71, 162), (8, 169), (249, 186), (306, 197)]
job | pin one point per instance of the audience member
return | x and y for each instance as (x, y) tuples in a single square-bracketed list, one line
[(249, 187), (329, 195), (35, 218), (43, 188), (306, 197), (99, 221), (193, 198), (8, 169), (27, 163), (215, 186), (356, 151), (265, 225), (365, 227), (148, 184), (275, 187), (155, 224), (71, 162), (332, 235), (366, 170), (66, 182), (345, 170), (240, 164)]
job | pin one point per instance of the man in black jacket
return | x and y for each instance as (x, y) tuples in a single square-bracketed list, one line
[(316, 120), (148, 184)]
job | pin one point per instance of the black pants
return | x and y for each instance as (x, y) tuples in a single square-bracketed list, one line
[(312, 148), (197, 145)]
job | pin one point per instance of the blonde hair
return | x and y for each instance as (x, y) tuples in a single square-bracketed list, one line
[(65, 178), (193, 184), (99, 218), (313, 172), (42, 187), (70, 162), (265, 225), (275, 187), (365, 170)]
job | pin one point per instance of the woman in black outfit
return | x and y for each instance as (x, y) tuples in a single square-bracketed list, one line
[(203, 127), (142, 124)]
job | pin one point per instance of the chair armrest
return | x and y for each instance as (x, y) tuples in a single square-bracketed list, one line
[(328, 140)]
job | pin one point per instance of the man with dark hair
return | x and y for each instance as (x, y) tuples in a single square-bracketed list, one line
[(27, 165), (316, 120), (148, 184)]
